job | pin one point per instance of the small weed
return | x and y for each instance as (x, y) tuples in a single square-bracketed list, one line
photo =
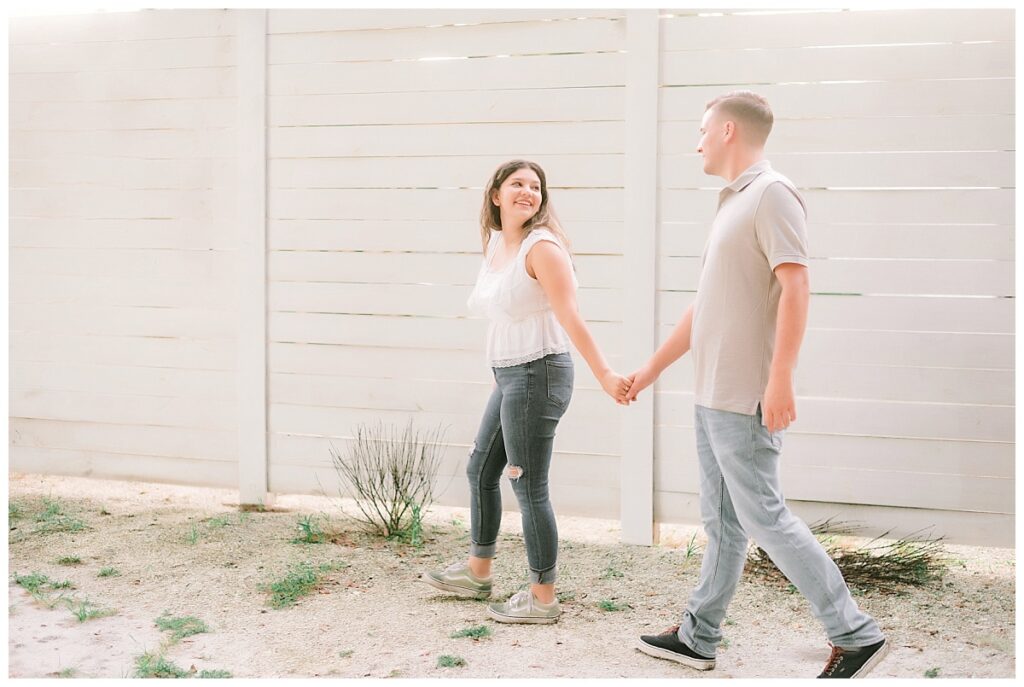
[(66, 584), (193, 536), (347, 653), (447, 661), (611, 606), (395, 673), (567, 595), (14, 511), (69, 560), (54, 519), (309, 531), (218, 522), (302, 579), (791, 588), (87, 611), (243, 517), (612, 573), (67, 672), (692, 548), (31, 583), (730, 621), (109, 572), (214, 674), (478, 632), (179, 628), (104, 511), (725, 643), (931, 672), (151, 665)]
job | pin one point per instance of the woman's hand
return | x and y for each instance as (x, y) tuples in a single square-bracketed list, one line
[(616, 386)]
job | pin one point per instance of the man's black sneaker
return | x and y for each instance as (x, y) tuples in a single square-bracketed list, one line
[(667, 645), (847, 663)]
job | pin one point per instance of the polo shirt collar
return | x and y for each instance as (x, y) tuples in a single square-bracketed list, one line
[(748, 175)]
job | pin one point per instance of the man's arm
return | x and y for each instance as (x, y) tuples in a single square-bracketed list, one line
[(779, 404), (671, 350)]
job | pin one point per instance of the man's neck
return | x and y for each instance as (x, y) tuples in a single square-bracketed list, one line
[(740, 163)]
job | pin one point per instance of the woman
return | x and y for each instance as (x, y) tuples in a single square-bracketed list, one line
[(527, 288)]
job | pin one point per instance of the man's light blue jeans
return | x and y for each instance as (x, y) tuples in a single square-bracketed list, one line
[(740, 497)]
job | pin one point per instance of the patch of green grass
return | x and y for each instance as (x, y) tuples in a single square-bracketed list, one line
[(243, 517), (611, 606), (69, 560), (53, 518), (725, 643), (86, 610), (447, 661), (931, 672), (567, 595), (218, 522), (310, 531), (154, 665), (31, 583), (347, 653), (180, 627), (193, 535), (66, 584), (109, 572), (612, 573), (412, 533), (477, 632), (730, 621), (66, 673), (214, 674), (302, 579), (14, 511)]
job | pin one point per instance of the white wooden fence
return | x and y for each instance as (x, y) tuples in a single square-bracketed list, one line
[(237, 233)]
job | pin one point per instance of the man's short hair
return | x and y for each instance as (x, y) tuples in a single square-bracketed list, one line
[(749, 109)]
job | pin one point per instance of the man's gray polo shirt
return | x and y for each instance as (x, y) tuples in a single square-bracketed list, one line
[(760, 224)]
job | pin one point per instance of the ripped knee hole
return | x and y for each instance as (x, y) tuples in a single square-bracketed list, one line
[(514, 472)]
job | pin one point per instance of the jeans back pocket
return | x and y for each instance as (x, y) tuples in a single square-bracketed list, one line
[(560, 375)]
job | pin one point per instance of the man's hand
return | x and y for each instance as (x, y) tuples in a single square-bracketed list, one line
[(641, 379), (778, 409)]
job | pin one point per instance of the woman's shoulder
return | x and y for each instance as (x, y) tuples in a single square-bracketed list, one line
[(542, 233)]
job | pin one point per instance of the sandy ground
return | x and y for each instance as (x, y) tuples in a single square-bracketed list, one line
[(373, 619)]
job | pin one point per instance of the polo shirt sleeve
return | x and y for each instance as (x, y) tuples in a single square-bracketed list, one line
[(780, 224)]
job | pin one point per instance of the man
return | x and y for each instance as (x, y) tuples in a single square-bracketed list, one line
[(744, 328)]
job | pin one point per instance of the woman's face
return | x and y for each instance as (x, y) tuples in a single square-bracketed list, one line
[(519, 196)]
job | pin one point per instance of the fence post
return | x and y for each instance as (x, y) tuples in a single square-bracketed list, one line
[(640, 259), (251, 53)]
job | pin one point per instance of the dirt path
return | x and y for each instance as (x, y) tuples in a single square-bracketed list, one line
[(189, 552)]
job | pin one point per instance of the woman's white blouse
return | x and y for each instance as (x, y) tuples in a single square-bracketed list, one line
[(522, 325)]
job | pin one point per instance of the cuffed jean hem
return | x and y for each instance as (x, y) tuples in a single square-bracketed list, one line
[(482, 550), (702, 648), (544, 577)]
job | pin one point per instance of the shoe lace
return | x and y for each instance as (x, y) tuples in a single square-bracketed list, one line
[(520, 600), (455, 567), (674, 630), (833, 660)]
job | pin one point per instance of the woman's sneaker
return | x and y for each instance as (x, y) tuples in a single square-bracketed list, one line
[(523, 607), (458, 580)]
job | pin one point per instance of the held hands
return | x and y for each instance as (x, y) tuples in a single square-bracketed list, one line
[(778, 409), (616, 386), (641, 379)]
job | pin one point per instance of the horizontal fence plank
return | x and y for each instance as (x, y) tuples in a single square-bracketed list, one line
[(174, 144), (210, 113), (864, 276), (189, 471), (957, 241), (572, 171), (854, 417), (572, 204), (441, 236), (212, 51), (124, 409), (317, 20), (405, 332), (836, 28), (576, 104), (603, 305), (907, 313), (866, 207), (122, 26), (867, 132), (838, 63), (192, 323), (511, 139), (133, 440), (488, 73), (122, 204), (602, 271), (864, 169), (122, 291), (141, 84), (895, 99), (209, 267), (141, 351), (167, 234), (122, 379), (472, 40), (397, 363), (101, 175), (956, 527)]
